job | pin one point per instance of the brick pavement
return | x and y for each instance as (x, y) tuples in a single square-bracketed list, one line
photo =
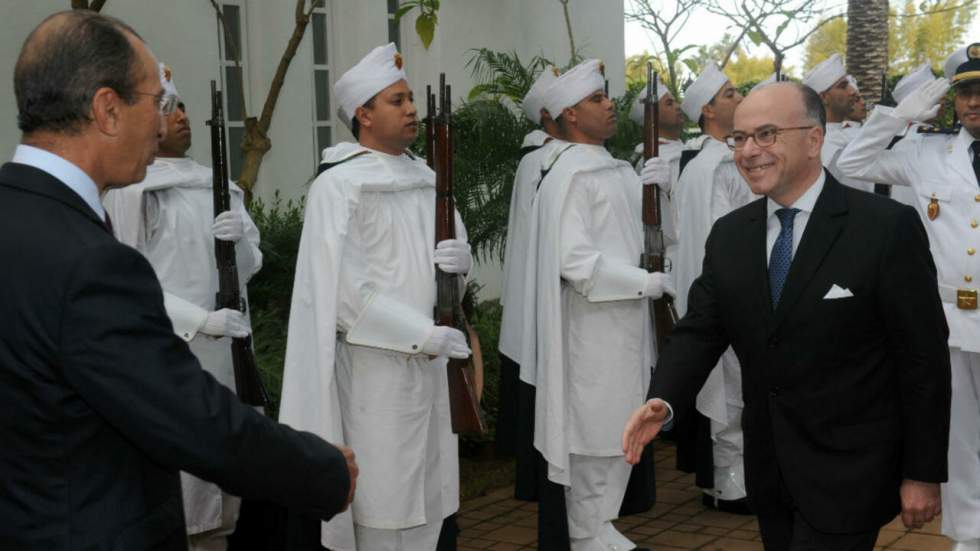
[(677, 522)]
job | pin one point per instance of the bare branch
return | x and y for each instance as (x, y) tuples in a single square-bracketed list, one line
[(939, 10), (568, 27), (302, 20)]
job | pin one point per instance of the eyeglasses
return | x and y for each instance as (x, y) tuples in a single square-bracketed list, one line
[(764, 137), (165, 104)]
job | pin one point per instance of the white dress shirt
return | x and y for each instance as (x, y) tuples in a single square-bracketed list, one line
[(64, 171), (805, 204)]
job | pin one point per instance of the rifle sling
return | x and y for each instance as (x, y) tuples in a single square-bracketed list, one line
[(327, 166), (545, 171)]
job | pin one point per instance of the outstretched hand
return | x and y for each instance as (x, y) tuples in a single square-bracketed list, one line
[(643, 426)]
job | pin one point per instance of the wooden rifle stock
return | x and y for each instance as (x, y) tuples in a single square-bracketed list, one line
[(467, 418), (248, 383), (663, 312)]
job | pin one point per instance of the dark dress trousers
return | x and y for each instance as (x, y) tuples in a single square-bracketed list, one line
[(844, 397), (103, 405)]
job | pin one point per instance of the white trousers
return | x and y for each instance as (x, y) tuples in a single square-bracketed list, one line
[(598, 485), (961, 495), (217, 539), (728, 451)]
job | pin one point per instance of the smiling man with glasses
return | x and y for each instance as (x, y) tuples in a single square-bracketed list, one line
[(828, 297)]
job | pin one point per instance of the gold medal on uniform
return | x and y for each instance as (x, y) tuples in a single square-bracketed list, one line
[(933, 209)]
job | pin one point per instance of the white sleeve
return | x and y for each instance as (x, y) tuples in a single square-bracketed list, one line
[(582, 264), (867, 156), (186, 317)]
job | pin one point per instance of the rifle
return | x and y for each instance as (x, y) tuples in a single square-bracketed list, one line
[(248, 384), (463, 405), (430, 136), (663, 313)]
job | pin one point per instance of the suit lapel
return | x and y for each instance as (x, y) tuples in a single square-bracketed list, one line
[(822, 230), (38, 182), (758, 269)]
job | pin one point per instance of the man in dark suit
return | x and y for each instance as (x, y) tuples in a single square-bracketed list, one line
[(828, 296), (103, 404)]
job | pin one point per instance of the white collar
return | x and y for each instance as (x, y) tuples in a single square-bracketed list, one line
[(64, 171), (805, 202)]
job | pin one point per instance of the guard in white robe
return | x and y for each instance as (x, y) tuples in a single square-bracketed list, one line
[(365, 365), (534, 150), (710, 187), (586, 302), (169, 217), (942, 173), (829, 79)]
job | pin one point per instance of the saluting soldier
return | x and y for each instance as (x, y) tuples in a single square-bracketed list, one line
[(365, 363), (943, 172)]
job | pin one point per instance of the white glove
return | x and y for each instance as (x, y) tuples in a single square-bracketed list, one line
[(226, 323), (922, 104), (453, 256), (228, 226), (656, 170), (658, 285), (446, 341)]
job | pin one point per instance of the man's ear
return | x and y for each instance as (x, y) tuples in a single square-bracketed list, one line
[(825, 98), (708, 111), (106, 110), (363, 116), (571, 117), (815, 138)]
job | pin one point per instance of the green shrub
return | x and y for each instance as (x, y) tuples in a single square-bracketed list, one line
[(270, 291)]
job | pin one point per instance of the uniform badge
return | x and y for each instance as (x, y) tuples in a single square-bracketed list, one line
[(398, 60), (602, 69), (933, 209), (556, 72)]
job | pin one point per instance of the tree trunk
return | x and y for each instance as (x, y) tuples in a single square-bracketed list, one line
[(867, 45)]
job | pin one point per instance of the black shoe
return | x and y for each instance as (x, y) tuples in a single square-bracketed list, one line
[(734, 506)]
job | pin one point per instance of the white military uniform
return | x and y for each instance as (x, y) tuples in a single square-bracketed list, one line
[(168, 218), (939, 171), (361, 310), (709, 188), (593, 350)]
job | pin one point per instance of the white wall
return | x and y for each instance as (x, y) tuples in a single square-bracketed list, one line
[(184, 34)]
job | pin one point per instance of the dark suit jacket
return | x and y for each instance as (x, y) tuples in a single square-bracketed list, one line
[(843, 398), (102, 404)]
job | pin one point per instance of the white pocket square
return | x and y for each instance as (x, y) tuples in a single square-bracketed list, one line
[(838, 292)]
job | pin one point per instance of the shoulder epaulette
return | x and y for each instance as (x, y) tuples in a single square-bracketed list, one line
[(937, 130), (327, 166)]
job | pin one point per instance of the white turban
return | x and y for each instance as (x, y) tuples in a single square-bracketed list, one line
[(703, 91), (378, 70), (534, 101), (573, 86), (955, 59), (636, 113), (167, 81), (913, 81), (854, 83), (769, 80), (826, 74)]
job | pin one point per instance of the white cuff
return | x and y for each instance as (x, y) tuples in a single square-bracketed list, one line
[(186, 317), (617, 282), (388, 323)]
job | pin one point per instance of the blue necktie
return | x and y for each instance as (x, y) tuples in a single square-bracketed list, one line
[(782, 254)]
